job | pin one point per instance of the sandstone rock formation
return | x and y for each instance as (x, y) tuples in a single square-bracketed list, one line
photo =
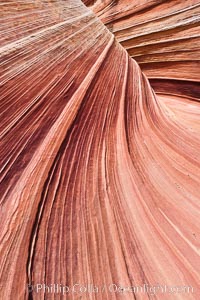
[(99, 164)]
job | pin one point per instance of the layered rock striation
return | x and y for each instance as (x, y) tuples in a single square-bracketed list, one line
[(99, 172)]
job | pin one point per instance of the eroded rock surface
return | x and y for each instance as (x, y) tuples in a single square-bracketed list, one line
[(99, 174)]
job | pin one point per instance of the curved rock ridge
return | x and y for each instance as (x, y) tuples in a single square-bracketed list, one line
[(162, 36), (99, 174)]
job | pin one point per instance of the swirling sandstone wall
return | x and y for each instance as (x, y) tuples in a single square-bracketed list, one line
[(99, 172)]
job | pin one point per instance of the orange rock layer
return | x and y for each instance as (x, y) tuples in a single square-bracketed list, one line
[(99, 174)]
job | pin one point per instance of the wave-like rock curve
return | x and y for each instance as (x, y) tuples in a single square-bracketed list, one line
[(99, 175)]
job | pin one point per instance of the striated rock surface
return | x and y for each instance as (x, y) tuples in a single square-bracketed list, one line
[(99, 174), (162, 36)]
